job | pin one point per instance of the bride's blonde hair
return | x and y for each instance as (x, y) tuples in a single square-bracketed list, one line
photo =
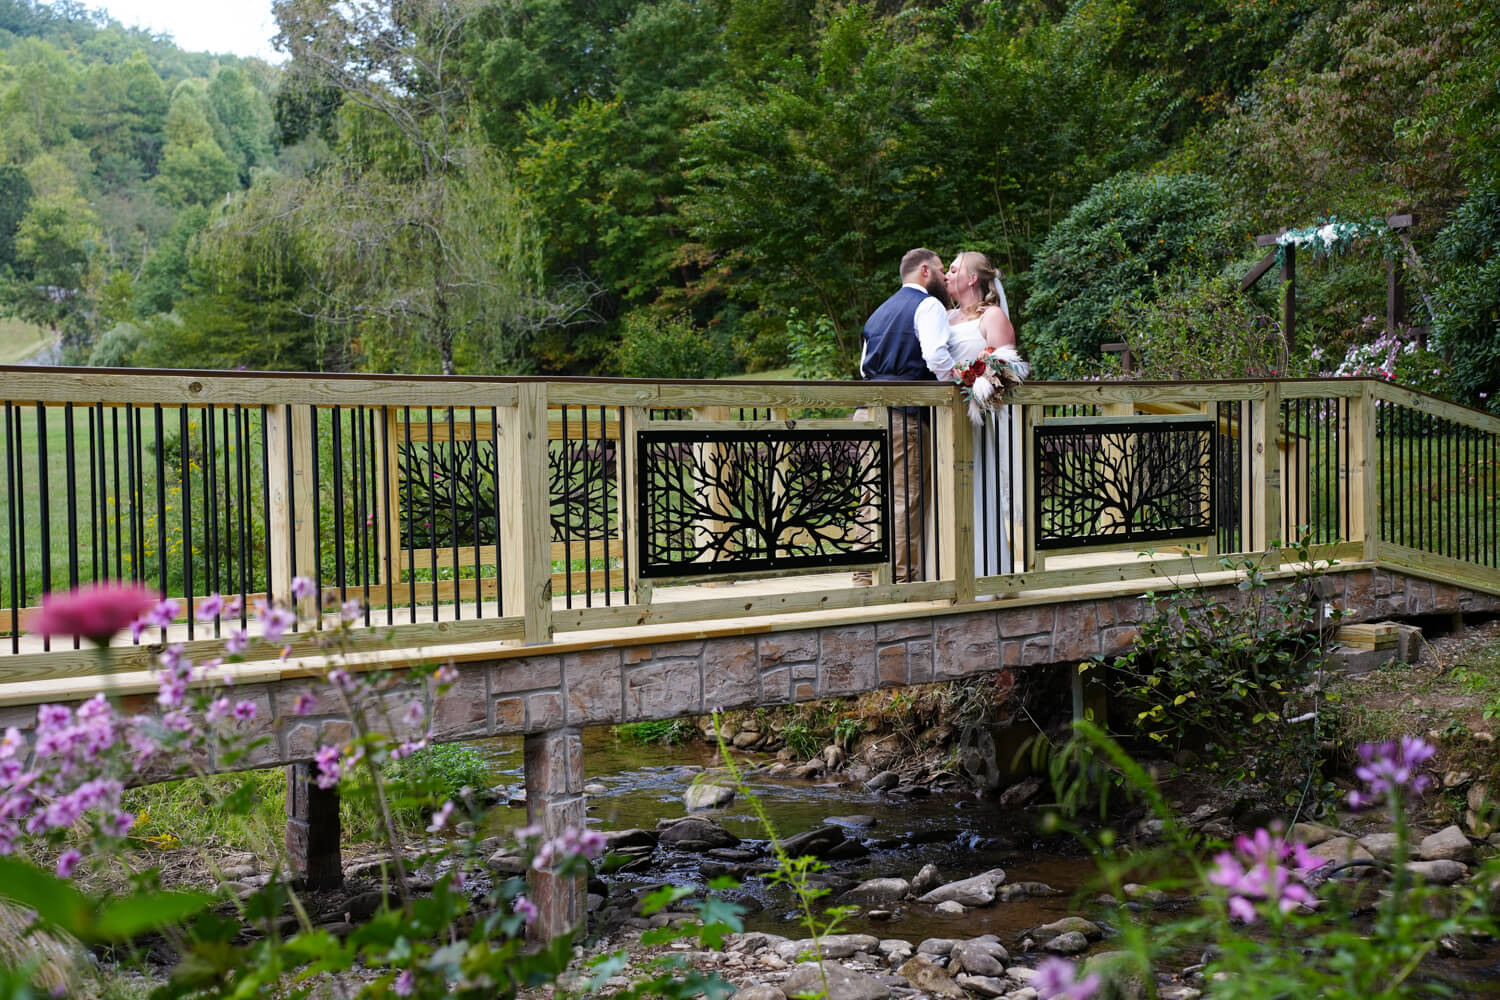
[(979, 265)]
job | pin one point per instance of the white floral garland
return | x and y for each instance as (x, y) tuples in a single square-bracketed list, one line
[(1330, 238)]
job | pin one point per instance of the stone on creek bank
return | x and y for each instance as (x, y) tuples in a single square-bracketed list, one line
[(926, 880), (1340, 849), (1067, 943), (883, 780), (1121, 976), (697, 835), (759, 992), (820, 843), (923, 972), (976, 891), (1448, 844), (950, 908), (840, 983), (1067, 925), (978, 957), (616, 840), (1440, 871), (833, 946), (707, 796)]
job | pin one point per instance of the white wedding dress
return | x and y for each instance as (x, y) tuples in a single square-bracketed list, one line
[(997, 469)]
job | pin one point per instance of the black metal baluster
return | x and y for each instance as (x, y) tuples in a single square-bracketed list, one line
[(101, 478), (474, 512), (45, 503), (161, 505), (567, 497), (226, 549), (184, 434), (291, 505), (338, 504), (622, 508), (605, 478), (265, 492), (93, 503), (499, 576), (432, 546), (413, 473), (17, 566), (72, 480), (453, 516), (242, 473), (211, 507), (388, 516), (357, 440), (376, 504)]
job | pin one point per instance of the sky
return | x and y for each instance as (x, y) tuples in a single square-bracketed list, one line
[(243, 27)]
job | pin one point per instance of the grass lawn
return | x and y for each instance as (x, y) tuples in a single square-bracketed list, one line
[(19, 341)]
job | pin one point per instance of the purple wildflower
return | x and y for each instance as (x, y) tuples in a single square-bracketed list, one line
[(236, 643), (447, 674), (329, 766), (302, 588), (1057, 979), (405, 984), (304, 704), (219, 709), (68, 861), (210, 607), (350, 610), (244, 710), (274, 620), (1264, 869), (1389, 770)]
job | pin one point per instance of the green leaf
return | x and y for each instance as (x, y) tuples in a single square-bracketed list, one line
[(55, 901), (147, 910), (661, 898)]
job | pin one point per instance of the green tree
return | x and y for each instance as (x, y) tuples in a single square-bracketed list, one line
[(246, 115), (1467, 325), (52, 249), (195, 174), (15, 199)]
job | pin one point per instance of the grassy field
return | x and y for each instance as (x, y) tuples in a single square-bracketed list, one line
[(19, 341)]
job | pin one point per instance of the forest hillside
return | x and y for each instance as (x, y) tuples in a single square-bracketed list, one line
[(700, 187)]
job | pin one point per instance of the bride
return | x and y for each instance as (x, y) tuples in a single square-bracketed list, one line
[(981, 320)]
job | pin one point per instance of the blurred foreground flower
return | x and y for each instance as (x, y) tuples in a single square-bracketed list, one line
[(1264, 869), (1389, 771), (1057, 979), (96, 612)]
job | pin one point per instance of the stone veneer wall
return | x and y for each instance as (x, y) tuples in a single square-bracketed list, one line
[(546, 692)]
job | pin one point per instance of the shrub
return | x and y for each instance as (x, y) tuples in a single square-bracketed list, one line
[(653, 346), (800, 739), (1200, 328), (1467, 322), (1129, 230), (662, 731), (1222, 678)]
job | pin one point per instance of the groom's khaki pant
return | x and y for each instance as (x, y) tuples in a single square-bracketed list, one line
[(910, 466)]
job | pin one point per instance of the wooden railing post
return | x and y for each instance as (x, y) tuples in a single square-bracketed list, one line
[(1265, 467), (289, 451), (955, 481), (525, 521), (1031, 416), (1364, 489)]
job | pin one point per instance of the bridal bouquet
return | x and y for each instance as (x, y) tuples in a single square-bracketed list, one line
[(987, 378)]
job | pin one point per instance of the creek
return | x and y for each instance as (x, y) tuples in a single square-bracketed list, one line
[(960, 834)]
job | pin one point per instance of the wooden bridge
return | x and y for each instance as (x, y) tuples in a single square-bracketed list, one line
[(590, 552)]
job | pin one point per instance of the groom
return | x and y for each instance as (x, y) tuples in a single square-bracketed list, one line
[(906, 339)]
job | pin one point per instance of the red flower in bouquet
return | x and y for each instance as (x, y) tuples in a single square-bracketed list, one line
[(977, 368), (94, 612)]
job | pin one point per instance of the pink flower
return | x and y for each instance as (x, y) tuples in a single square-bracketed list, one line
[(447, 674), (210, 607), (95, 612), (219, 709), (162, 615), (440, 818), (350, 610), (1057, 979), (244, 710), (1389, 770), (236, 642), (524, 908), (405, 984), (274, 620), (302, 588), (329, 766), (304, 704), (68, 861), (414, 713)]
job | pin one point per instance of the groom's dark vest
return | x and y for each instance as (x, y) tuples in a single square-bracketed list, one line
[(892, 350)]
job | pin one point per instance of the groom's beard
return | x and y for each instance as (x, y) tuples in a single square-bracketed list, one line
[(939, 289)]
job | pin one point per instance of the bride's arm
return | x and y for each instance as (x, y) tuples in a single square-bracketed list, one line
[(995, 325)]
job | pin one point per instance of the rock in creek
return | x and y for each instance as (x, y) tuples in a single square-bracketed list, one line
[(858, 822), (978, 957), (883, 780), (876, 892), (1382, 846), (706, 796), (695, 834), (1067, 943), (759, 992), (1440, 871), (841, 983), (818, 843), (985, 986), (949, 908), (615, 840), (976, 891), (1120, 973), (1046, 932), (926, 880)]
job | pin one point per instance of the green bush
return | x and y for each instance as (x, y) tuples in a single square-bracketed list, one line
[(1467, 325), (653, 346), (1201, 328), (1109, 251), (661, 731), (800, 739), (413, 785)]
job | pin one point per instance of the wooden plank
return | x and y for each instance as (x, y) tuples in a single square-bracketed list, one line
[(759, 426), (1441, 569), (638, 591), (116, 386), (1423, 403), (1325, 388), (1258, 271), (721, 608), (526, 571), (1265, 468), (1364, 491), (1099, 393), (751, 575), (954, 502), (1054, 580), (687, 395)]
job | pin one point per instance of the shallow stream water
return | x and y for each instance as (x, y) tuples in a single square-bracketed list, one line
[(960, 834)]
